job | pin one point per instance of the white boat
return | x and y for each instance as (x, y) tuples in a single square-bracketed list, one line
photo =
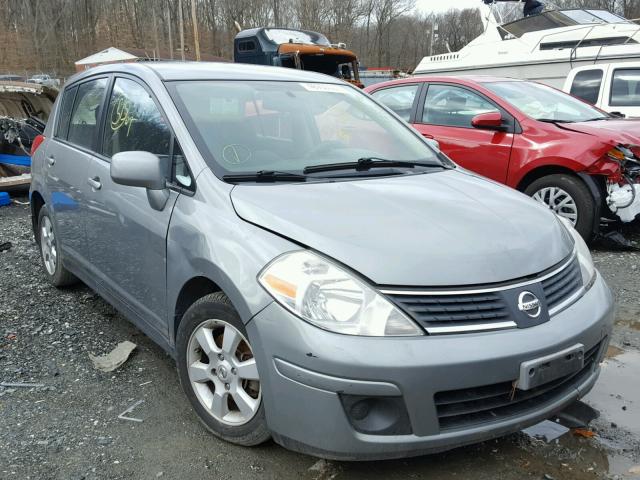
[(542, 47)]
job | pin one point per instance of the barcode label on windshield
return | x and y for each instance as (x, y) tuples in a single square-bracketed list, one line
[(323, 87)]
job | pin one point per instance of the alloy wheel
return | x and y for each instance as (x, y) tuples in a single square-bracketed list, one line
[(223, 373), (559, 201), (48, 245)]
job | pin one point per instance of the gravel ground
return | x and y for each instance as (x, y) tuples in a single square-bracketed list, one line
[(69, 428)]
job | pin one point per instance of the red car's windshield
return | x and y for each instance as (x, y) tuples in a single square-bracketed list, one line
[(545, 103)]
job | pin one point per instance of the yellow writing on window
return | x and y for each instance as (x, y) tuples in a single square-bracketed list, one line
[(121, 115)]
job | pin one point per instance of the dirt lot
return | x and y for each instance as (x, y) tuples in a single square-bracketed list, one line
[(69, 428)]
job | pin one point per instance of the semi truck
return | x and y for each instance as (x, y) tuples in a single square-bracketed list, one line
[(301, 49)]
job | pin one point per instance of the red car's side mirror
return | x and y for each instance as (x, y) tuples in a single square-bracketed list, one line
[(488, 121)]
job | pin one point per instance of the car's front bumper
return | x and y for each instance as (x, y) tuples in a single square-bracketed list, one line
[(304, 371)]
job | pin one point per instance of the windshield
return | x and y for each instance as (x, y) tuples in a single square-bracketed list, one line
[(295, 36), (593, 16), (544, 103), (251, 126), (608, 16), (557, 19)]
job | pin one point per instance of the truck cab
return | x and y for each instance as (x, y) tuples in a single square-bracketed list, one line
[(612, 87), (300, 49)]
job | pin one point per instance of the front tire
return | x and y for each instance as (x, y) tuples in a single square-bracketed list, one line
[(218, 371), (49, 244), (569, 197)]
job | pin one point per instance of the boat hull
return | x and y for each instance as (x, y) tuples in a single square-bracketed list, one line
[(552, 73)]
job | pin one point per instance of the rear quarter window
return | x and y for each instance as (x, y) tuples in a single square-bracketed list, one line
[(62, 122)]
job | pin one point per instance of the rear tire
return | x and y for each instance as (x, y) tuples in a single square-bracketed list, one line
[(49, 244), (569, 197), (218, 373)]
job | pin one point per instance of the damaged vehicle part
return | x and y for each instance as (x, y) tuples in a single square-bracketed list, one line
[(623, 186), (24, 111), (570, 156)]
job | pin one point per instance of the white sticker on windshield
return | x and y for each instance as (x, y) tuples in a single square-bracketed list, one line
[(323, 87)]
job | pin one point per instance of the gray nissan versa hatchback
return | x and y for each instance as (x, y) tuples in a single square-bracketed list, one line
[(321, 275)]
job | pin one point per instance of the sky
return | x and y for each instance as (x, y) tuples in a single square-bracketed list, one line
[(439, 6)]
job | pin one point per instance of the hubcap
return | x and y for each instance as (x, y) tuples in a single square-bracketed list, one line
[(48, 245), (559, 201), (223, 373)]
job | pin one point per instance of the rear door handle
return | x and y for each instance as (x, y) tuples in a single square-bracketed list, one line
[(94, 183), (427, 135), (51, 161)]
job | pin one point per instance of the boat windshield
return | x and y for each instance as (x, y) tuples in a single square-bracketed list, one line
[(544, 103), (584, 17), (558, 19)]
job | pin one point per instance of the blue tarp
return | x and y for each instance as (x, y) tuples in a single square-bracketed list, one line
[(21, 160)]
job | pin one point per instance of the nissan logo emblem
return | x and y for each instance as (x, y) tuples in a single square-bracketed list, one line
[(528, 303)]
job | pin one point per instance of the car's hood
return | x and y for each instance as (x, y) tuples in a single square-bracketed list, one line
[(440, 229), (623, 132)]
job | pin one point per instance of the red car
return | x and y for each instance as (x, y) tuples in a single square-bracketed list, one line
[(575, 158)]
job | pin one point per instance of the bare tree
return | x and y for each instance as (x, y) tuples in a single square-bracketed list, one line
[(50, 35)]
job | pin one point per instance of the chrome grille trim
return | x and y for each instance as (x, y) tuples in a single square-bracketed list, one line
[(574, 297), (484, 327), (434, 310), (482, 290)]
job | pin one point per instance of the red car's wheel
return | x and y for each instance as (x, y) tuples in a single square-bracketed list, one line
[(569, 197)]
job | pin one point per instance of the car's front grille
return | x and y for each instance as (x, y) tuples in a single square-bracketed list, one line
[(563, 284), (476, 406), (435, 311), (488, 308)]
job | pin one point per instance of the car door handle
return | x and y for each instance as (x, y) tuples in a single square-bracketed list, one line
[(51, 161), (94, 183), (427, 135)]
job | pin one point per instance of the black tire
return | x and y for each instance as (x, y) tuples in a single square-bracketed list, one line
[(61, 277), (579, 192), (216, 306)]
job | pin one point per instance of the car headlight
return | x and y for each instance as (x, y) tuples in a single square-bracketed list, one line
[(326, 295), (587, 268)]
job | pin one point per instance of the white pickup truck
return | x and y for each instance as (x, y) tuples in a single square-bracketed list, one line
[(613, 87)]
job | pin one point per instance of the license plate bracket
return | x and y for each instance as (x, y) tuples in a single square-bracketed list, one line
[(539, 371)]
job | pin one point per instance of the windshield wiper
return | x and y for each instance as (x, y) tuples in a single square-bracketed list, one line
[(367, 163), (595, 119), (265, 176), (553, 120)]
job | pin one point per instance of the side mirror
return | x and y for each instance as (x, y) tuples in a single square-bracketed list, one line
[(488, 121), (142, 169), (139, 169)]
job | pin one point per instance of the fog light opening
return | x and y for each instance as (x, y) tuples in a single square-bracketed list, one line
[(360, 410), (377, 415)]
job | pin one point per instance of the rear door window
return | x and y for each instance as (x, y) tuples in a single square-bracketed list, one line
[(453, 106), (586, 85), (86, 113), (62, 125), (399, 99), (134, 122), (625, 88)]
